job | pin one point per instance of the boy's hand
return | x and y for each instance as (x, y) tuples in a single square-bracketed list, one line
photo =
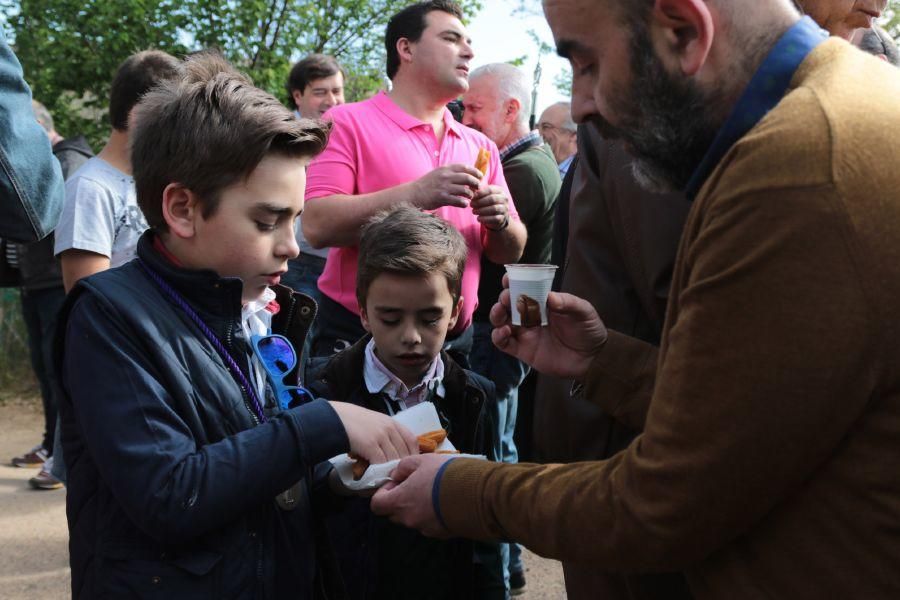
[(374, 436)]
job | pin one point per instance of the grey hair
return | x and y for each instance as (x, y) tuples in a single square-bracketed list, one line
[(568, 124), (42, 115), (511, 82)]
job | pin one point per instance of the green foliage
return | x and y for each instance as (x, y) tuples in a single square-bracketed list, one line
[(15, 367), (518, 61), (563, 81), (70, 49), (891, 19)]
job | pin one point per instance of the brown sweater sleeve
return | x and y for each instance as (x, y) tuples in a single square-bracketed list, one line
[(621, 378), (766, 364)]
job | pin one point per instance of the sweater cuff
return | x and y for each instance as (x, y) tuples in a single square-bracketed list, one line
[(460, 506), (322, 433), (436, 493), (617, 370)]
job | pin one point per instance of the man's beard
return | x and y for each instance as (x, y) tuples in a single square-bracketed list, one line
[(667, 124)]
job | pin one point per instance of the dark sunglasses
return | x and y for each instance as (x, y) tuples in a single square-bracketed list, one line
[(278, 358)]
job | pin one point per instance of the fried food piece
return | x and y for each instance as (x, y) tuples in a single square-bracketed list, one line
[(359, 467), (428, 442), (483, 160), (529, 311)]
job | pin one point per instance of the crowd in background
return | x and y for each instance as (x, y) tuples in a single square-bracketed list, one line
[(635, 205)]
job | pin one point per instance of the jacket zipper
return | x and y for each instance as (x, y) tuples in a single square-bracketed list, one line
[(229, 342)]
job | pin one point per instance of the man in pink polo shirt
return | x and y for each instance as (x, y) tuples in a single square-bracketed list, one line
[(404, 146)]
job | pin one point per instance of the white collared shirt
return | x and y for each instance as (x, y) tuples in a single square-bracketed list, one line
[(256, 319), (380, 379)]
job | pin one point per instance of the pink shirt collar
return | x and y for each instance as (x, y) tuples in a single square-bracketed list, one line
[(406, 121)]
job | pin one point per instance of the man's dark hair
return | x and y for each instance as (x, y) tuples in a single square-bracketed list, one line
[(208, 129), (409, 23), (314, 66), (135, 77), (877, 41)]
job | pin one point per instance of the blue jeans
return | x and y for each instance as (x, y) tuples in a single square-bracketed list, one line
[(31, 182), (40, 309), (507, 373)]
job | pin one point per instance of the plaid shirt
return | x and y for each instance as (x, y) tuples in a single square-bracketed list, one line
[(532, 139)]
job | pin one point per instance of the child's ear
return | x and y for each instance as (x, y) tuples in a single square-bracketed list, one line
[(364, 317), (454, 313), (180, 209)]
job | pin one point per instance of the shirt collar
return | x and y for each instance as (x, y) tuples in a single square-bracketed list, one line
[(256, 315), (379, 379), (766, 89), (406, 121), (564, 165), (532, 138)]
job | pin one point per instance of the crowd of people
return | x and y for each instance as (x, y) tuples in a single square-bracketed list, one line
[(234, 291)]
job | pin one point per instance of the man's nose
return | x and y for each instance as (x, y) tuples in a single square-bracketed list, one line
[(467, 50), (583, 104)]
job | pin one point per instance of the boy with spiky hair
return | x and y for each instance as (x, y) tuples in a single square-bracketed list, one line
[(190, 458), (409, 289)]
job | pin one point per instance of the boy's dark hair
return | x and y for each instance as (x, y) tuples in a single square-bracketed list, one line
[(209, 129), (406, 241), (135, 77), (409, 23), (314, 66)]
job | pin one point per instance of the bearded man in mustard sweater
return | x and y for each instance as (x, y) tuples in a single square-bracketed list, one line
[(768, 465)]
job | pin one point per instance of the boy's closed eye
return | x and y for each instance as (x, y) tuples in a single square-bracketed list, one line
[(268, 217)]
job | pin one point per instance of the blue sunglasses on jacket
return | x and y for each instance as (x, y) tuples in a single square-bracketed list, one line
[(278, 358)]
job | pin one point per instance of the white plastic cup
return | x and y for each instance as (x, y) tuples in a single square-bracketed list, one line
[(533, 281)]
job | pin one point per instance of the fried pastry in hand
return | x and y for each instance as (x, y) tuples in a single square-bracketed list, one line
[(428, 443), (483, 160)]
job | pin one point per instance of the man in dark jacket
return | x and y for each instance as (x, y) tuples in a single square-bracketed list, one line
[(619, 255), (42, 295)]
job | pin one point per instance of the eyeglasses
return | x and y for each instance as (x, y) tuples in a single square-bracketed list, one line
[(278, 358), (547, 127)]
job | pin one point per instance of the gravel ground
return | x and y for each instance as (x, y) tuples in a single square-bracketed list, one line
[(34, 559)]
